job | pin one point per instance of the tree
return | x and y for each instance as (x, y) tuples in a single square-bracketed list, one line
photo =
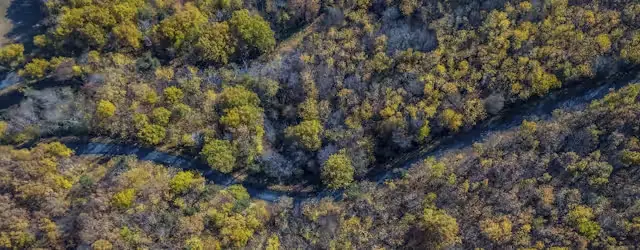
[(184, 27), (127, 35), (105, 109), (11, 55), (337, 171), (238, 192), (441, 229), (3, 128), (308, 110), (152, 134), (253, 30), (183, 181), (124, 199), (235, 231), (497, 230), (161, 116), (273, 243), (219, 154), (424, 131), (194, 243), (216, 43), (101, 245), (35, 69), (236, 96), (452, 119), (581, 218), (307, 133), (173, 95), (603, 42), (58, 149), (40, 41), (407, 7)]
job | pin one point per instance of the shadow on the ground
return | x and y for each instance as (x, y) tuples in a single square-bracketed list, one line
[(25, 15)]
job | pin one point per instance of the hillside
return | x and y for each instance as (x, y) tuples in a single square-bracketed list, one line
[(321, 98)]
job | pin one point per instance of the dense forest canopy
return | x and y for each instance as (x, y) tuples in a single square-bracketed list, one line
[(232, 81), (320, 93)]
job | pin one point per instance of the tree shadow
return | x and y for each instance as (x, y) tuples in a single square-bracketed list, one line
[(25, 16)]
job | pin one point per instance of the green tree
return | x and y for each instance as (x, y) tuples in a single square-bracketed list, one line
[(236, 96), (40, 41), (452, 119), (124, 199), (603, 42), (581, 218), (127, 35), (307, 133), (101, 245), (173, 95), (184, 181), (219, 154), (216, 43), (194, 243), (253, 30), (161, 116), (441, 229), (58, 149), (105, 109), (36, 69), (183, 27), (11, 55), (424, 131), (308, 110), (152, 134), (273, 243), (497, 230), (337, 171), (630, 49), (3, 128), (238, 192)]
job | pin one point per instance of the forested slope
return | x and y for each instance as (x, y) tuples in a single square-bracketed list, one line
[(566, 183), (369, 81)]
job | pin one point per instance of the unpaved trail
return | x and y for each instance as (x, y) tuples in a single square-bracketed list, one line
[(5, 24)]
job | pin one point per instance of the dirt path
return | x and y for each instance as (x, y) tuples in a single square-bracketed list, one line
[(5, 23), (292, 42)]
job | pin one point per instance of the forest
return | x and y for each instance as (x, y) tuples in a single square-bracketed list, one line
[(320, 95)]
